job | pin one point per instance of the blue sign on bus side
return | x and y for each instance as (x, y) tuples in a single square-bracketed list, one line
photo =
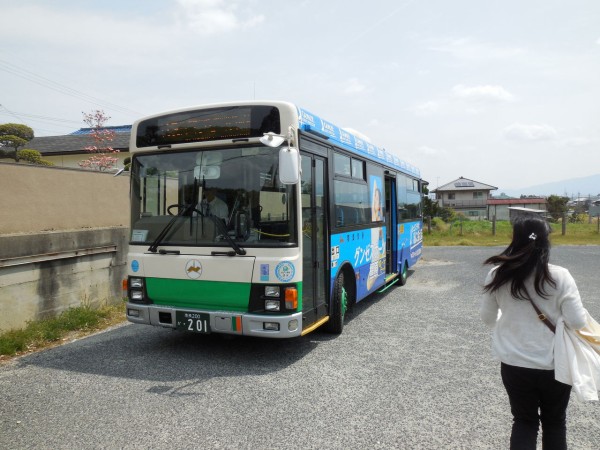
[(365, 250)]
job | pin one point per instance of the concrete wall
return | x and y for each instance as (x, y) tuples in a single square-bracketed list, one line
[(43, 274), (63, 240), (35, 198)]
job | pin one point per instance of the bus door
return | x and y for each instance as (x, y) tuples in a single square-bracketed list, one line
[(314, 238), (391, 221)]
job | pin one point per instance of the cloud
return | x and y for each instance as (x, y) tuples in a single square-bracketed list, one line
[(353, 86), (357, 133), (523, 132), (576, 142), (467, 48), (215, 16), (426, 108), (430, 151), (482, 93), (466, 99)]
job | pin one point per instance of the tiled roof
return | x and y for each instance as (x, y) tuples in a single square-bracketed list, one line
[(465, 184), (73, 144)]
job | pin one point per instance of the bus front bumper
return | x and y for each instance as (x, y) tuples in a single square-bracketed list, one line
[(269, 326)]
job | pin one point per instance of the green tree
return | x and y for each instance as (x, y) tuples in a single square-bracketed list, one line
[(430, 208), (15, 135), (14, 142), (557, 206)]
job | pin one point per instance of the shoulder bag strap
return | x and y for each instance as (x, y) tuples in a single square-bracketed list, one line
[(543, 317)]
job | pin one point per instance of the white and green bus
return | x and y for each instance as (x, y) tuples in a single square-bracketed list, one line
[(262, 219)]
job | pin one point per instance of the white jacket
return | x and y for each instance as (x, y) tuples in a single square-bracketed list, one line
[(519, 337)]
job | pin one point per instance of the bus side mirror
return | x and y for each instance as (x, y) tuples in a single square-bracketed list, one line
[(289, 166)]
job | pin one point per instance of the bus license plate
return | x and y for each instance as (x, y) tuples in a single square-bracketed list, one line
[(193, 322)]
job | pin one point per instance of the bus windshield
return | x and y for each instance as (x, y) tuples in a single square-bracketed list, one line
[(211, 198)]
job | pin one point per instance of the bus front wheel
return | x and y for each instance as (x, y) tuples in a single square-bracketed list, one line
[(338, 305)]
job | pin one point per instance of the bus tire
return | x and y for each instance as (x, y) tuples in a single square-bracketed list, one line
[(338, 305), (404, 274)]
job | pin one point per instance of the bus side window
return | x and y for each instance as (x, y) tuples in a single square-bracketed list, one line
[(339, 213)]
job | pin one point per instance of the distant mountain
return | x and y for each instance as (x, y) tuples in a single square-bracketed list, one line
[(575, 187)]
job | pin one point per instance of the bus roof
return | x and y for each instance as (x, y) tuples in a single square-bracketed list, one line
[(312, 123), (309, 123)]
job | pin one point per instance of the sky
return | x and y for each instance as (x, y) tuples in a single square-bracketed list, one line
[(503, 92)]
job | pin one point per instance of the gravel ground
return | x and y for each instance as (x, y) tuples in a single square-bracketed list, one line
[(412, 370)]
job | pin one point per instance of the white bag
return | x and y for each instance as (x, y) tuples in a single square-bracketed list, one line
[(577, 358)]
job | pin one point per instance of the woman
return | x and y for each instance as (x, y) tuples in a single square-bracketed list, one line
[(522, 341), (376, 214)]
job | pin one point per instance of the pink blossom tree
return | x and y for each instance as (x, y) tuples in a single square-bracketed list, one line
[(101, 159)]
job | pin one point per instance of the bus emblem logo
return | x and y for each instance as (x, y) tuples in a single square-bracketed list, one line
[(285, 271), (193, 269)]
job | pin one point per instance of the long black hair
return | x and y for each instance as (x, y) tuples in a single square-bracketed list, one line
[(527, 254)]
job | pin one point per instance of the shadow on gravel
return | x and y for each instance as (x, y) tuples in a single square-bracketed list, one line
[(164, 355)]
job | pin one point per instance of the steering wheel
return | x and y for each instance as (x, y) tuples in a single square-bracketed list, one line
[(179, 208)]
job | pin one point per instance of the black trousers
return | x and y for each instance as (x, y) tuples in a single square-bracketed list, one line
[(535, 396)]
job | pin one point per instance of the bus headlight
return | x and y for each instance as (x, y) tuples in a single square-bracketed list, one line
[(136, 283), (271, 291), (136, 289), (272, 305)]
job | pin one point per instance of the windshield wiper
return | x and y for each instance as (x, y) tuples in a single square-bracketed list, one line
[(221, 226), (168, 227)]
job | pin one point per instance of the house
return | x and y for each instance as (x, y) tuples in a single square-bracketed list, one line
[(69, 150), (465, 196), (505, 208)]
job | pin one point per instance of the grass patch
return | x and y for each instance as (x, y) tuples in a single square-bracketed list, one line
[(479, 233), (71, 324)]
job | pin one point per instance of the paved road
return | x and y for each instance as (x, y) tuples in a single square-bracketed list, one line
[(412, 370)]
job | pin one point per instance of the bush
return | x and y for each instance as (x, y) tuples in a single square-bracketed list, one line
[(578, 218), (448, 215), (33, 157), (439, 224), (30, 156)]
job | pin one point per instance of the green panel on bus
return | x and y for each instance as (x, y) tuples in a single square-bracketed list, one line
[(194, 294)]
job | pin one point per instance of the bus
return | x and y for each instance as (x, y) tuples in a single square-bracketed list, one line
[(263, 219)]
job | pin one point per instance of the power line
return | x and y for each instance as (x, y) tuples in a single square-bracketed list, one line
[(40, 119), (20, 115), (61, 88)]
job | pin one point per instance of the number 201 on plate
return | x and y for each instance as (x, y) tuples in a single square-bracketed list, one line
[(195, 323)]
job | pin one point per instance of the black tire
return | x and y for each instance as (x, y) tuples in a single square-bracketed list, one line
[(404, 274), (337, 307)]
